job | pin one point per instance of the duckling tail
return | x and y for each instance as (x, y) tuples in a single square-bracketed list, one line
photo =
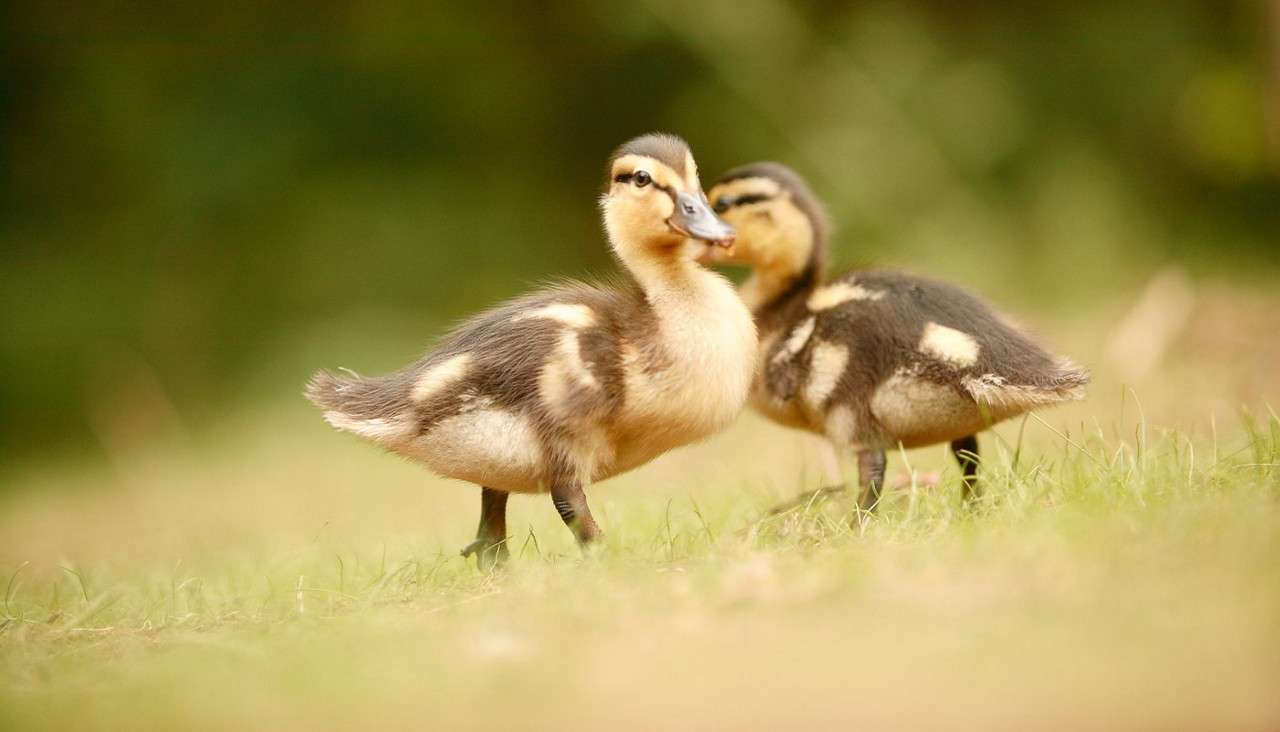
[(1071, 380), (324, 389), (1066, 383), (366, 407)]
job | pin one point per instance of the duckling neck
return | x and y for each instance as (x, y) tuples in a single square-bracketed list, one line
[(767, 289), (692, 365), (660, 278), (693, 306), (699, 314), (671, 279)]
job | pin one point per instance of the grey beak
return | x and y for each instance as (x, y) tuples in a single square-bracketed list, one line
[(695, 219)]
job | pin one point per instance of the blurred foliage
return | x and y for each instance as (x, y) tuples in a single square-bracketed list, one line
[(202, 203)]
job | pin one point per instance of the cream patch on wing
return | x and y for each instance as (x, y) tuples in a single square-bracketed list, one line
[(563, 372), (440, 376), (486, 446), (949, 345), (572, 314), (825, 298), (796, 341), (825, 369), (571, 353)]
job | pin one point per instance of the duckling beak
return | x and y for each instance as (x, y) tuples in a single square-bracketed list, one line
[(695, 219)]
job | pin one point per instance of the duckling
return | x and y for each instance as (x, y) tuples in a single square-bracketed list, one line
[(575, 383), (872, 358)]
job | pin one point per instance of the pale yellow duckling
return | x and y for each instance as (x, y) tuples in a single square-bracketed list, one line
[(576, 383), (872, 358)]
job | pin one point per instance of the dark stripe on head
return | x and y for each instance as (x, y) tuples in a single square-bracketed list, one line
[(724, 203), (791, 182), (629, 177)]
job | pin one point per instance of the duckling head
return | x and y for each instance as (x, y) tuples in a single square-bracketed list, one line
[(782, 227), (653, 202)]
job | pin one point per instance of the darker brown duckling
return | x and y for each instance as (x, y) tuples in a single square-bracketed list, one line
[(872, 358)]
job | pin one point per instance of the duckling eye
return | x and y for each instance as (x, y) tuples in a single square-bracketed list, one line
[(722, 204), (641, 178)]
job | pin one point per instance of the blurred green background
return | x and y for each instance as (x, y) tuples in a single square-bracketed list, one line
[(201, 204)]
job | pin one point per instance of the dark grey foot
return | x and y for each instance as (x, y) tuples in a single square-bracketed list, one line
[(490, 546), (488, 554), (808, 498), (965, 450), (871, 475)]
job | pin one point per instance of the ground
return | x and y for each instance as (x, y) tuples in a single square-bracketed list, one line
[(1122, 570)]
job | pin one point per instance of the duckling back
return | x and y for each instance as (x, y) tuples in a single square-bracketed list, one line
[(887, 357), (502, 400), (575, 378)]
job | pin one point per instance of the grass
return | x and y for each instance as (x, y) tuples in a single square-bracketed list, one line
[(281, 577)]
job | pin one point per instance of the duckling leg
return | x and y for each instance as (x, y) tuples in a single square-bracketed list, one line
[(966, 451), (571, 503), (871, 474), (490, 546)]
